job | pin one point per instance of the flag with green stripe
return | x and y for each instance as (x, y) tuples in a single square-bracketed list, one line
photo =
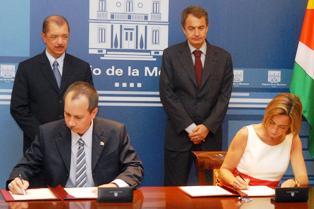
[(302, 82)]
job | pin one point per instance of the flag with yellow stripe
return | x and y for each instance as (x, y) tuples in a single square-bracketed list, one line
[(302, 83)]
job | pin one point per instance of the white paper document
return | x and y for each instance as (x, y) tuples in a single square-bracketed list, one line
[(259, 191), (35, 194), (47, 194), (82, 192), (203, 191)]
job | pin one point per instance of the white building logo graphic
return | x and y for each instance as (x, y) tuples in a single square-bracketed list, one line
[(238, 76), (128, 29), (7, 71), (274, 76)]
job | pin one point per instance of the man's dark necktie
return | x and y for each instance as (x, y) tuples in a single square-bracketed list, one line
[(198, 67)]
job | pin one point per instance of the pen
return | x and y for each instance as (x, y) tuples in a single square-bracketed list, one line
[(247, 181), (242, 178), (20, 177)]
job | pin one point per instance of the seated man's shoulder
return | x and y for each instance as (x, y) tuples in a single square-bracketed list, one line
[(108, 123), (110, 129), (54, 125)]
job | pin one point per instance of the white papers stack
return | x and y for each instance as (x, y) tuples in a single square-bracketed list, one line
[(82, 192), (35, 194), (203, 191)]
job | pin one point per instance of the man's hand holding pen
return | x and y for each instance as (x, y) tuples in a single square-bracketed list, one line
[(18, 185), (240, 183)]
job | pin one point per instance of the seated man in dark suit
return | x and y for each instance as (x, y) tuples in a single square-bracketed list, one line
[(79, 150)]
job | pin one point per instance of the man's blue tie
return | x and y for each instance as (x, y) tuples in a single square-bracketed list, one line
[(80, 175), (56, 72)]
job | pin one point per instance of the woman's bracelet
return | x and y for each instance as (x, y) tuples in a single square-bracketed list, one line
[(296, 183)]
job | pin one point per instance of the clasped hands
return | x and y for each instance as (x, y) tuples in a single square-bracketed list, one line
[(199, 134)]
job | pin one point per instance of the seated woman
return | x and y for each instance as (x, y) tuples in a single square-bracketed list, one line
[(259, 154)]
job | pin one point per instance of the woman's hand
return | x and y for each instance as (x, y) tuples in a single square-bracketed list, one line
[(239, 183), (290, 183)]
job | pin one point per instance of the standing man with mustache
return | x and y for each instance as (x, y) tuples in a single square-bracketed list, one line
[(40, 82)]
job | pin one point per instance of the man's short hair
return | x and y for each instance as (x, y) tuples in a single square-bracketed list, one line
[(80, 88), (57, 19), (196, 11)]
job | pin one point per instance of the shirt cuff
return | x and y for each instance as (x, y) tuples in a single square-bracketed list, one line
[(190, 128), (120, 183)]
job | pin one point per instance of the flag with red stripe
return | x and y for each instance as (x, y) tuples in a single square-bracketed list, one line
[(302, 83)]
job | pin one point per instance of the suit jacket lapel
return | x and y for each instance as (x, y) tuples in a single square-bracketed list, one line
[(63, 141), (98, 144), (210, 60), (187, 62), (47, 71)]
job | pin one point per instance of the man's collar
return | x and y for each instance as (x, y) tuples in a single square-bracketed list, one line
[(88, 133), (52, 59), (203, 48)]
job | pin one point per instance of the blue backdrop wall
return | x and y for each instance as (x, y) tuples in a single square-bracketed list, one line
[(123, 41)]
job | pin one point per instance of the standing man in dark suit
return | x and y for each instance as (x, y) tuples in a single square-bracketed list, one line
[(195, 88), (108, 157), (41, 81)]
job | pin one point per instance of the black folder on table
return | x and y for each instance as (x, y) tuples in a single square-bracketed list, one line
[(292, 194)]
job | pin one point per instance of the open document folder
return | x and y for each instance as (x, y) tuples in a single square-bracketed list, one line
[(56, 193), (204, 191)]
